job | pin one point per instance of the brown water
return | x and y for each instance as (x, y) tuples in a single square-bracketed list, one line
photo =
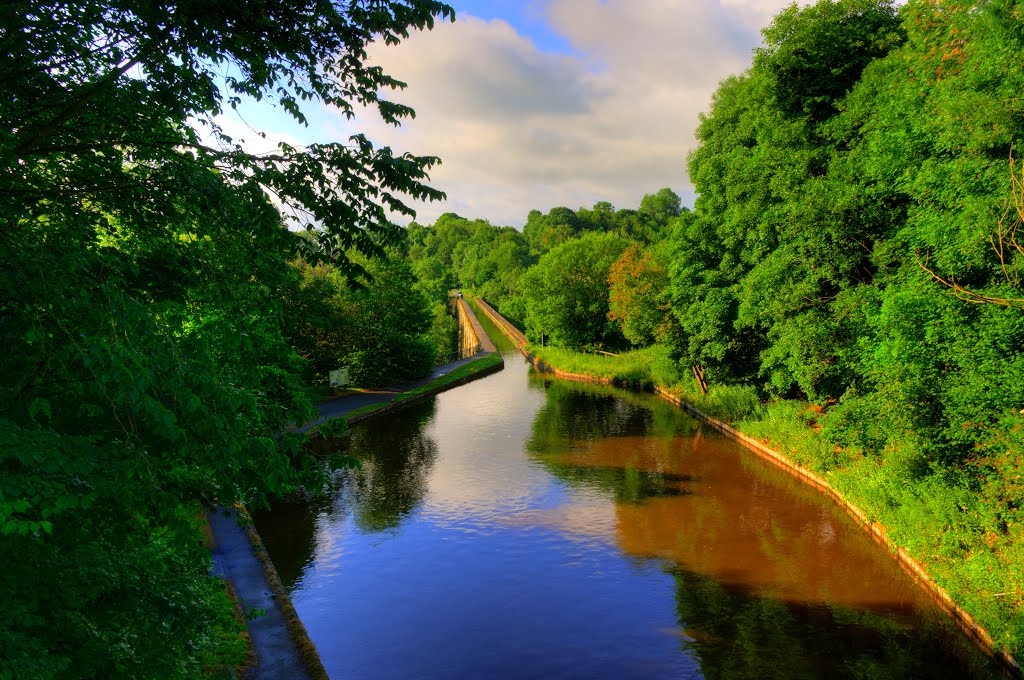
[(519, 527)]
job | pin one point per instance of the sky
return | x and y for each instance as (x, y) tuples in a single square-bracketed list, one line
[(532, 104)]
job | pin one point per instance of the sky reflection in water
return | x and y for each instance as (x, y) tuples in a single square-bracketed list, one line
[(522, 527)]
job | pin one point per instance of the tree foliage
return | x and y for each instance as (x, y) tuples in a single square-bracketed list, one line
[(380, 329), (636, 286), (146, 371), (566, 293), (98, 86), (852, 246)]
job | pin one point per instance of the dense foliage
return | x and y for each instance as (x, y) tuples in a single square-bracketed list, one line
[(853, 260), (567, 292), (384, 330), (854, 244), (491, 261), (145, 369)]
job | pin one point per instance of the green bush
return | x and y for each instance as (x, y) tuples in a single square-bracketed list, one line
[(730, 403), (407, 358)]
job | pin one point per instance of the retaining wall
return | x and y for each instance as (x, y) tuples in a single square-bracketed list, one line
[(472, 338)]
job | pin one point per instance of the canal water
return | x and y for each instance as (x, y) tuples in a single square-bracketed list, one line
[(523, 527)]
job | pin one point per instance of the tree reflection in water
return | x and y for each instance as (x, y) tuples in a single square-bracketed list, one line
[(396, 456), (772, 580), (741, 635)]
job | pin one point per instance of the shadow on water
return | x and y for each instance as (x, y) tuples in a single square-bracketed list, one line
[(584, 411), (740, 635), (396, 457)]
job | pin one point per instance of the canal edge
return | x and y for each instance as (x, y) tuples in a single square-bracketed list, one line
[(307, 651), (486, 344), (877, 532), (429, 392), (280, 646), (302, 644)]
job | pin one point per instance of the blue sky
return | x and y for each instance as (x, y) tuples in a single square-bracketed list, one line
[(533, 104), (526, 16)]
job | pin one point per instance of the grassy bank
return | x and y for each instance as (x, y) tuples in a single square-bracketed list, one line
[(462, 374), (937, 515), (645, 369)]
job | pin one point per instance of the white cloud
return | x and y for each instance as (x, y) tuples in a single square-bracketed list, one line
[(520, 128)]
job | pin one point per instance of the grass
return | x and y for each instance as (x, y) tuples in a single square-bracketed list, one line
[(319, 392), (461, 374), (231, 653), (650, 367), (640, 369)]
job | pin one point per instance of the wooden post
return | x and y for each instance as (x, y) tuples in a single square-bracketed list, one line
[(698, 373)]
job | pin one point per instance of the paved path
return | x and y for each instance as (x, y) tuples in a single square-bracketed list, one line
[(340, 406), (235, 560)]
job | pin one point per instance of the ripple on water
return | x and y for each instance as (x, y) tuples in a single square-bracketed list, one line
[(520, 527)]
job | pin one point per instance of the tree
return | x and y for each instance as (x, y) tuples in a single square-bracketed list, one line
[(637, 284), (146, 371), (661, 209), (544, 232), (566, 293), (758, 280), (392, 341), (75, 114)]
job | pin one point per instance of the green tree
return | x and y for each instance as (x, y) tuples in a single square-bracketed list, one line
[(383, 329), (566, 293), (758, 278), (392, 342), (544, 232), (75, 117), (147, 371)]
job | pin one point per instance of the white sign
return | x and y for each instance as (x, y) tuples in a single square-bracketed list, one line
[(339, 377)]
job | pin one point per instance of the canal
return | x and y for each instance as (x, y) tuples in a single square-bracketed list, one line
[(523, 527)]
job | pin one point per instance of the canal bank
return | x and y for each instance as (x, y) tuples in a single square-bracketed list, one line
[(874, 529), (281, 645)]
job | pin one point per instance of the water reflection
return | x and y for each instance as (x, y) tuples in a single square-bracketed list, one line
[(740, 635), (524, 527), (396, 457), (771, 579), (581, 411)]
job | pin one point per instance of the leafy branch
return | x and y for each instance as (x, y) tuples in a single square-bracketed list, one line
[(1005, 243)]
